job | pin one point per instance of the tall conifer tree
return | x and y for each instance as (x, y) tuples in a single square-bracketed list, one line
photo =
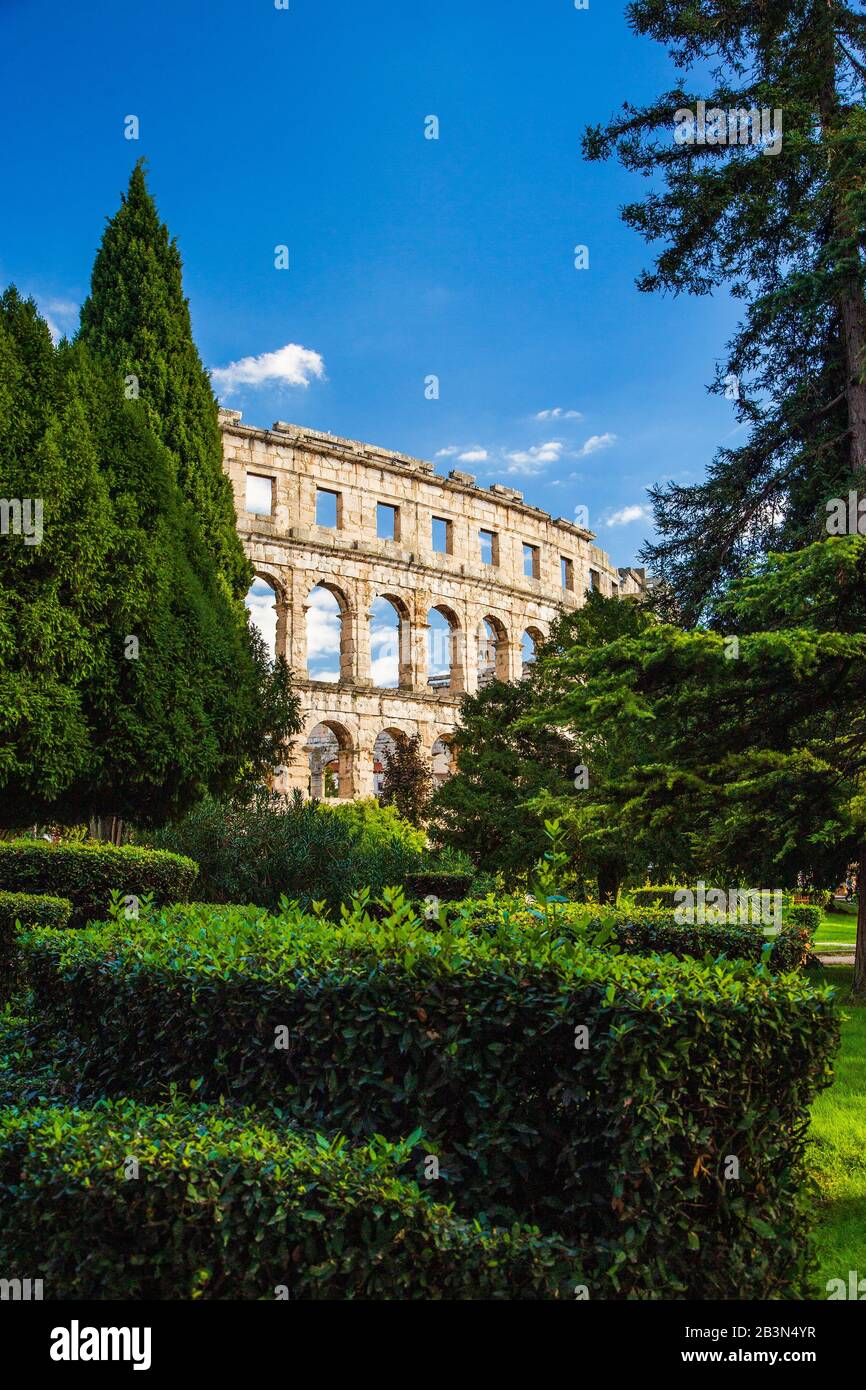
[(137, 319), (763, 190)]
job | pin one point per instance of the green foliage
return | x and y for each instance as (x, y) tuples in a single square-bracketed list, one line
[(805, 915), (662, 896), (137, 320), (407, 782), (25, 910), (130, 682), (618, 1141), (275, 846), (223, 1207), (372, 824), (483, 810), (784, 233), (88, 874)]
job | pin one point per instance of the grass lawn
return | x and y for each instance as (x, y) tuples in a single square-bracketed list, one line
[(837, 1150), (839, 925)]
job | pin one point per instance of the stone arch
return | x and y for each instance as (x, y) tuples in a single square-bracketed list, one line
[(329, 633), (529, 641), (267, 607), (391, 656), (443, 758), (330, 751), (385, 740), (445, 656), (492, 640)]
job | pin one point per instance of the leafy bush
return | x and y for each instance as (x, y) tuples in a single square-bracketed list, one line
[(665, 896), (28, 910), (805, 915), (221, 1207), (373, 825), (287, 847), (618, 1137), (88, 874)]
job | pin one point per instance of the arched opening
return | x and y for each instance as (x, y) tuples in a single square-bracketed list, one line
[(529, 647), (390, 643), (261, 605), (443, 759), (386, 741), (492, 652), (330, 758), (329, 638), (444, 649)]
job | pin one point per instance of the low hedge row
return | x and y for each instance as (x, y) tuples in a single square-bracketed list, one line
[(124, 1202), (28, 910), (598, 1095), (648, 931), (88, 873)]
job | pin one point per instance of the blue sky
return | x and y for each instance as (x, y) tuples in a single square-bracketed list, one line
[(408, 257)]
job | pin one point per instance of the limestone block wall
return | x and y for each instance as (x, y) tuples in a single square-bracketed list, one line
[(294, 554)]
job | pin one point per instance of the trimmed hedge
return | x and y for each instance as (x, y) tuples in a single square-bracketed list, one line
[(447, 885), (87, 874), (220, 1207), (622, 1144), (805, 915), (28, 910), (650, 931)]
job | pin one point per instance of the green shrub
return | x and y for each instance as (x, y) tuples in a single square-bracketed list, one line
[(648, 931), (88, 874), (221, 1207), (444, 884), (805, 915), (28, 910), (474, 1037), (372, 825), (286, 847)]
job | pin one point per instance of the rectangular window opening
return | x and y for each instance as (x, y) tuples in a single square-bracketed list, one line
[(441, 537), (387, 522), (327, 508), (531, 561), (260, 495), (488, 544)]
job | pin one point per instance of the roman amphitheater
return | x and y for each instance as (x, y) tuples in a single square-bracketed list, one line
[(352, 536)]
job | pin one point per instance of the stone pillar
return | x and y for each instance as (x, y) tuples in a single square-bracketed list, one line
[(472, 620), (364, 770), (419, 637), (296, 626), (361, 618), (345, 774)]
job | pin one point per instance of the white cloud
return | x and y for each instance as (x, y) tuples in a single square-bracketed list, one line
[(447, 453), (533, 460), (474, 456), (596, 442), (61, 316), (291, 365), (638, 511), (559, 413), (260, 606)]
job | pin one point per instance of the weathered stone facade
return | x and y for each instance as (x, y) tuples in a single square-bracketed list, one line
[(293, 554)]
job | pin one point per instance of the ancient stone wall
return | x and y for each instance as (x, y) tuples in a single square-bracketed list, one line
[(488, 606)]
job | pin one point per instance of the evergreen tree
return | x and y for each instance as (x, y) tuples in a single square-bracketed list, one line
[(483, 809), (130, 681), (52, 626), (755, 767), (137, 319), (783, 224), (408, 780)]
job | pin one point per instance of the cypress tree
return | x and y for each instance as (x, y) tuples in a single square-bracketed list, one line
[(130, 681), (137, 319)]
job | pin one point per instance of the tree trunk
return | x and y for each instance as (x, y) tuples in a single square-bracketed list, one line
[(108, 828), (859, 986)]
